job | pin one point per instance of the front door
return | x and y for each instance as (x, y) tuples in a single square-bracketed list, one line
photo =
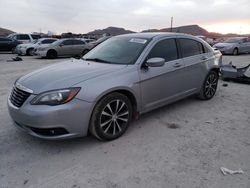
[(160, 85)]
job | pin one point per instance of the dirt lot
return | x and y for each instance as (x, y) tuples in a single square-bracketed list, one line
[(182, 145)]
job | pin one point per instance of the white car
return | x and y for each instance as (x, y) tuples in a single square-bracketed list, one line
[(24, 38), (28, 48)]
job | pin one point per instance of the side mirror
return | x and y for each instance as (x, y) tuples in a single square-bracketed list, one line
[(155, 62), (61, 45)]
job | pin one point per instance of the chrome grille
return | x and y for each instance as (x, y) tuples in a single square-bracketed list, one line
[(18, 97)]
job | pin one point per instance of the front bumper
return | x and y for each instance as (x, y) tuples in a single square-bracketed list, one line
[(52, 122), (20, 51)]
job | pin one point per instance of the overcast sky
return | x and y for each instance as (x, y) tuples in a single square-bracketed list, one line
[(81, 16)]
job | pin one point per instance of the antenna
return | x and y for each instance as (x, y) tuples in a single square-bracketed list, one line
[(171, 27)]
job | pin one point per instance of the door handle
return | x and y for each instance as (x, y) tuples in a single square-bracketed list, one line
[(177, 65), (204, 58)]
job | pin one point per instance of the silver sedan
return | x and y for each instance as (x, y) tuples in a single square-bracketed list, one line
[(234, 46), (121, 78)]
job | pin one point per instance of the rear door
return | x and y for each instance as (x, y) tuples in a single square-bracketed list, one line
[(194, 58), (245, 45), (78, 47), (23, 38)]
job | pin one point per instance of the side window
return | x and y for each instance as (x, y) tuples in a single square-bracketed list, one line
[(78, 42), (165, 49), (190, 47), (68, 42), (36, 37), (48, 41), (23, 37)]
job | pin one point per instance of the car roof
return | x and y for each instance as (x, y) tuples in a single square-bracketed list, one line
[(150, 35)]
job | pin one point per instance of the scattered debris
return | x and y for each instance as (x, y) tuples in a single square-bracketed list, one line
[(224, 84), (231, 72), (173, 125), (15, 59), (226, 171), (25, 182), (210, 122)]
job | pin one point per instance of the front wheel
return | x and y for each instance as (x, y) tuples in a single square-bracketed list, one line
[(111, 117), (209, 87), (235, 51)]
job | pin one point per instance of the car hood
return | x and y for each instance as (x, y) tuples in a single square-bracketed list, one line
[(222, 45), (64, 75)]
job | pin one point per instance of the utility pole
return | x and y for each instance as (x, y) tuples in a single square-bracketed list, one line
[(171, 28)]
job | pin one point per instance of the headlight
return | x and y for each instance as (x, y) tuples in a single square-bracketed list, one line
[(57, 97)]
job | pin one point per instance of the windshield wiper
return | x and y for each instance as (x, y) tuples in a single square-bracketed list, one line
[(97, 60)]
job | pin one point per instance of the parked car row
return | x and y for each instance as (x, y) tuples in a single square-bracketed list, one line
[(28, 48)]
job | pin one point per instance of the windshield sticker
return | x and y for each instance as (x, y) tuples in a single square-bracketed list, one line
[(137, 40)]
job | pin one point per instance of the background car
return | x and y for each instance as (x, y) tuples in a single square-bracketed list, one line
[(207, 39), (24, 38), (28, 48), (7, 44), (93, 44), (124, 76), (62, 47), (234, 46)]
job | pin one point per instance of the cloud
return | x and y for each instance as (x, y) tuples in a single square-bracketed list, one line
[(142, 11), (85, 15)]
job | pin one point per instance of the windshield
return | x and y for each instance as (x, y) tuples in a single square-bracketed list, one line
[(118, 50), (233, 40)]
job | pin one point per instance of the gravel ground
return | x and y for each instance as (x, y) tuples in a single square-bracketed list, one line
[(182, 145)]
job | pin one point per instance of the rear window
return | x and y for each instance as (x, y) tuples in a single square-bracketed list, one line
[(165, 49), (190, 47), (78, 42)]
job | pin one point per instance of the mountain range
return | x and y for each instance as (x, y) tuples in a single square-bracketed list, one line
[(188, 29)]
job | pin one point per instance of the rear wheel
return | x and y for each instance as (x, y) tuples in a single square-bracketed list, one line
[(13, 50), (235, 51), (51, 54), (209, 86), (111, 117)]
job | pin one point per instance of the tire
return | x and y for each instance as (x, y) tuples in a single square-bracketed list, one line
[(111, 117), (209, 86), (13, 50), (235, 51), (51, 54), (29, 51), (85, 51)]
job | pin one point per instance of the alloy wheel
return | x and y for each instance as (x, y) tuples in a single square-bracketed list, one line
[(211, 85), (114, 117)]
